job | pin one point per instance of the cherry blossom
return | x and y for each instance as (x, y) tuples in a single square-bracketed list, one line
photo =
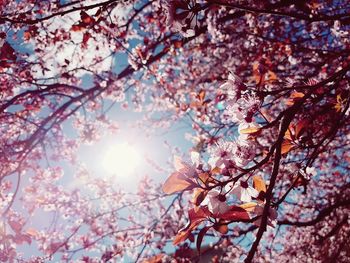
[(216, 202), (243, 191), (249, 98), (311, 171), (244, 153), (180, 16), (221, 153)]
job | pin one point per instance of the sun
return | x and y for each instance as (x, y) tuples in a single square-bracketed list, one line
[(121, 159)]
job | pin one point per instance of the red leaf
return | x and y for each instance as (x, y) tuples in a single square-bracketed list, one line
[(300, 127), (195, 218), (16, 226), (301, 181), (235, 213), (77, 27), (200, 236), (199, 195), (177, 44), (87, 19), (181, 236), (196, 214), (20, 239), (7, 52), (222, 228), (86, 38)]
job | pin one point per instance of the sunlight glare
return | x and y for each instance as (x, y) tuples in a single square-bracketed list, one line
[(121, 159)]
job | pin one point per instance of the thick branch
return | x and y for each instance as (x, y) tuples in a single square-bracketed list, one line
[(269, 193)]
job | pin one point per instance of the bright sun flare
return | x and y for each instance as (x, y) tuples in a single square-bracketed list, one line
[(121, 159)]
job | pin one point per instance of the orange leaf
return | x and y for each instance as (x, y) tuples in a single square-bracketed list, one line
[(259, 184), (32, 232), (288, 134), (205, 178), (26, 35), (296, 95), (338, 107), (177, 182), (249, 130), (221, 228), (196, 216), (195, 104), (271, 76), (289, 102), (300, 126), (256, 73), (249, 206), (181, 236), (216, 170), (201, 95), (286, 146), (156, 259), (266, 114)]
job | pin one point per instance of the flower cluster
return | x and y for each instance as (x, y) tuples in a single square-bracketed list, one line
[(241, 104), (182, 16)]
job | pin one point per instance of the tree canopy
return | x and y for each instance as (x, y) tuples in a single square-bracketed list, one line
[(263, 87)]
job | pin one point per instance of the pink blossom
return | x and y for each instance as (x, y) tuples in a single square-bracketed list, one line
[(233, 87), (248, 105), (311, 171), (180, 17), (221, 153), (243, 191), (216, 202), (245, 152)]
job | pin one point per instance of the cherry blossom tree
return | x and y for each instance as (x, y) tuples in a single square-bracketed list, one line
[(264, 87)]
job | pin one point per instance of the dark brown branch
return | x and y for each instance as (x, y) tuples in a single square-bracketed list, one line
[(62, 13), (314, 18), (290, 113), (321, 215)]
